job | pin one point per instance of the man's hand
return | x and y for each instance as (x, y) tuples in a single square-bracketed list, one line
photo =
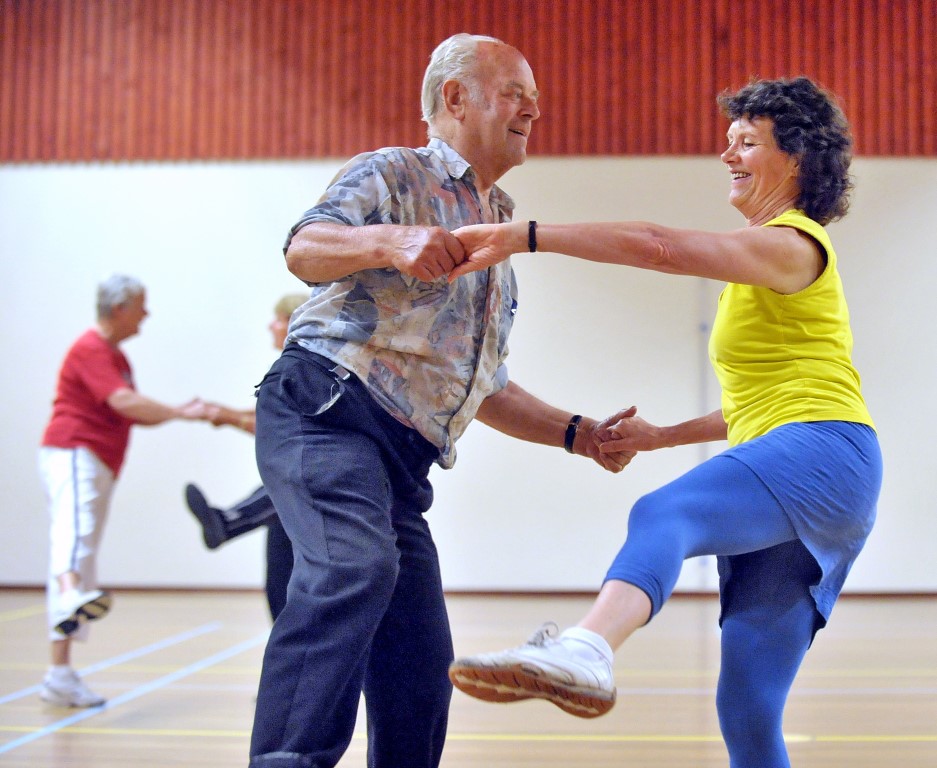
[(588, 442), (323, 253), (426, 253)]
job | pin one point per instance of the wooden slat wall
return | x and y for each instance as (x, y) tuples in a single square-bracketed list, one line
[(91, 80)]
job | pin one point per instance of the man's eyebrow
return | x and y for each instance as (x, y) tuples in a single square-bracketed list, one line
[(514, 84)]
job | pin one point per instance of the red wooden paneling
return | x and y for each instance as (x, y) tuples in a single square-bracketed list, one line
[(84, 80)]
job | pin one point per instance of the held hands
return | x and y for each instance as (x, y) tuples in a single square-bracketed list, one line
[(216, 414), (628, 434), (488, 244), (588, 442), (194, 410), (221, 415), (426, 253), (200, 410), (613, 442)]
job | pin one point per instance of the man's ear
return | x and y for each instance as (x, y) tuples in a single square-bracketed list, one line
[(454, 96)]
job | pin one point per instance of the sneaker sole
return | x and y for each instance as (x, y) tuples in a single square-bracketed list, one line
[(90, 611), (60, 700), (518, 683)]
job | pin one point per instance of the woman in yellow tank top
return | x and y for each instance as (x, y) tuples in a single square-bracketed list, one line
[(787, 508)]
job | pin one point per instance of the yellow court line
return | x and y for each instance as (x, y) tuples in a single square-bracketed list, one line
[(870, 672), (575, 737), (625, 676), (874, 739), (10, 666), (174, 733), (22, 613), (660, 738), (242, 669)]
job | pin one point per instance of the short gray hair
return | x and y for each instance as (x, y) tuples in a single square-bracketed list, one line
[(115, 290), (454, 59)]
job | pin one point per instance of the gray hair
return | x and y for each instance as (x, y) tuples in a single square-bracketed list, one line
[(454, 59), (115, 290)]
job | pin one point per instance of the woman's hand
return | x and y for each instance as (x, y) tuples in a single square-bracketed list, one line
[(488, 244), (591, 443), (629, 434)]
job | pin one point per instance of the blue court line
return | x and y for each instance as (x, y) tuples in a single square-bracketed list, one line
[(157, 646), (137, 692)]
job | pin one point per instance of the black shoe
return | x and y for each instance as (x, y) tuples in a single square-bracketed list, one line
[(212, 520)]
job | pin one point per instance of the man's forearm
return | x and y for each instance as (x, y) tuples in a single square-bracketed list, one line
[(321, 253), (517, 413)]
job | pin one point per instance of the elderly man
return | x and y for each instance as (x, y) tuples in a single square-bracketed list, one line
[(385, 366)]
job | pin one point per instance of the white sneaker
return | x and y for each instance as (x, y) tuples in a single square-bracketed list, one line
[(69, 692), (77, 607), (542, 669)]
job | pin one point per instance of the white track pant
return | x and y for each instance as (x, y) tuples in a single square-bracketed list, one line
[(78, 489)]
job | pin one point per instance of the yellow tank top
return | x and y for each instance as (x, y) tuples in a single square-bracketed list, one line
[(786, 358)]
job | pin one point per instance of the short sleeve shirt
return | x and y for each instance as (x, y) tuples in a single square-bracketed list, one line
[(428, 352), (92, 371)]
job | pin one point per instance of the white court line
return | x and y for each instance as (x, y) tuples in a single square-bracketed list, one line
[(137, 692), (114, 660)]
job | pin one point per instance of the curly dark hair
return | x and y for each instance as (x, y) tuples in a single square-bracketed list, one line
[(810, 126)]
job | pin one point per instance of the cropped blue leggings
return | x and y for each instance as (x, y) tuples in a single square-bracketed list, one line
[(768, 618)]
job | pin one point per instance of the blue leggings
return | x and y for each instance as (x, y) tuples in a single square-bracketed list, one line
[(768, 614)]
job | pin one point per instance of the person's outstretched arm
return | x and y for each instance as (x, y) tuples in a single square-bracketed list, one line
[(148, 412), (633, 433), (222, 415), (780, 258), (517, 413)]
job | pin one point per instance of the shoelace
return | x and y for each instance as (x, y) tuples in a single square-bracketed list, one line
[(548, 630)]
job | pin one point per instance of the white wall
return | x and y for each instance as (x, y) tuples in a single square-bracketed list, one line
[(206, 240)]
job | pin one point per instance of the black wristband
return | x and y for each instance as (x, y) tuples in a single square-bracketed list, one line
[(532, 236), (571, 429)]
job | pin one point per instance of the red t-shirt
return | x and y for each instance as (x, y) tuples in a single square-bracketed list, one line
[(92, 371)]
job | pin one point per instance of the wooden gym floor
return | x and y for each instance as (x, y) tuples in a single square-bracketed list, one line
[(180, 671)]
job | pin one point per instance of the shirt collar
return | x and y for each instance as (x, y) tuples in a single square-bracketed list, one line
[(455, 164), (458, 167)]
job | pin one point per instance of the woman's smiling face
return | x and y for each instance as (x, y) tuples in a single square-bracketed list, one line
[(763, 176)]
